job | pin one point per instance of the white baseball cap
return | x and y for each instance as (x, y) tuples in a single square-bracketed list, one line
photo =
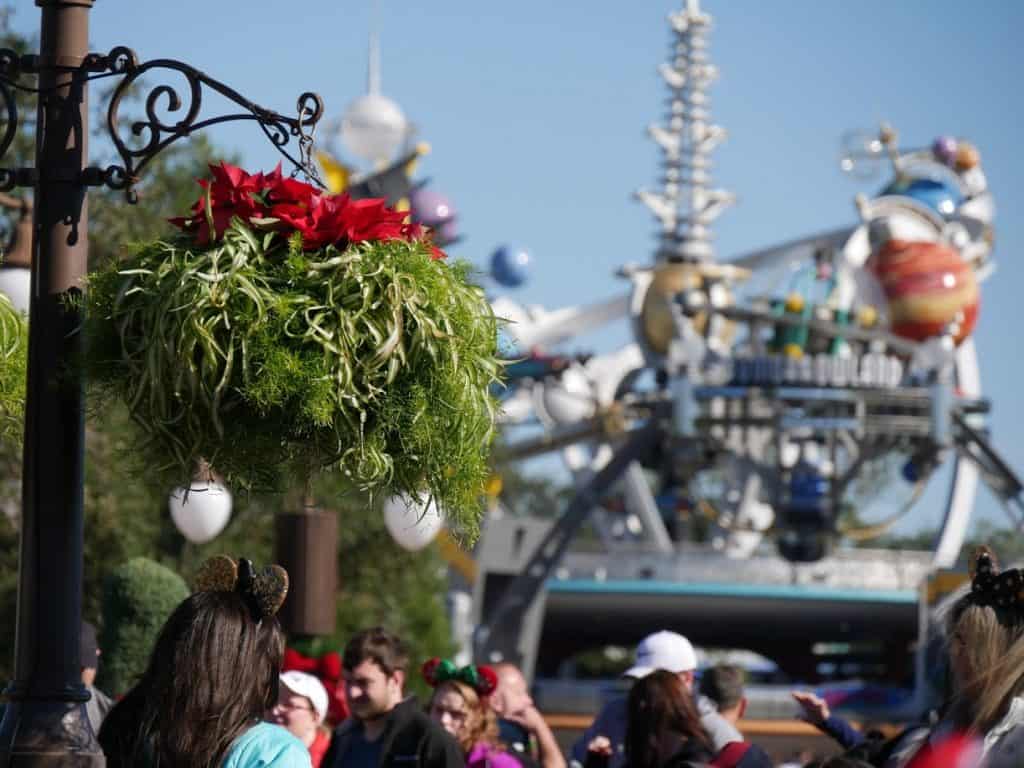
[(662, 650), (308, 686)]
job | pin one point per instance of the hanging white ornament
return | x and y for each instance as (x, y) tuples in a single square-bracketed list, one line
[(412, 525), (201, 513)]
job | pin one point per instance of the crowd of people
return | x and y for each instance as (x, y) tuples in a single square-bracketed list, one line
[(213, 694)]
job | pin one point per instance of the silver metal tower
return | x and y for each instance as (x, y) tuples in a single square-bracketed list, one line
[(686, 205)]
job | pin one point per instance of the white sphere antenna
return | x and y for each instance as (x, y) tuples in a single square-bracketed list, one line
[(373, 127)]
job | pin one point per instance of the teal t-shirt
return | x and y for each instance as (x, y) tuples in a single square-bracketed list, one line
[(267, 746)]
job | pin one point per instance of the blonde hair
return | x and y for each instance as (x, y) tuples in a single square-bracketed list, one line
[(994, 650), (481, 721)]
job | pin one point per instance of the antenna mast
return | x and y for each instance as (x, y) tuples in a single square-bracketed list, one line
[(687, 204)]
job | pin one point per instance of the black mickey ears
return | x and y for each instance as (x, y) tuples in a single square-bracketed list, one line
[(990, 587), (265, 590), (984, 562)]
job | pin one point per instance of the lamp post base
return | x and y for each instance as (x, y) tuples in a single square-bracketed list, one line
[(48, 733)]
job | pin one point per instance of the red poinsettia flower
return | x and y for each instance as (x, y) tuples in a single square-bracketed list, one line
[(371, 219), (290, 206), (291, 191), (319, 219), (232, 192)]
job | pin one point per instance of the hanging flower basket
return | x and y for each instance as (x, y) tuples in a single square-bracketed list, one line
[(13, 370), (284, 331)]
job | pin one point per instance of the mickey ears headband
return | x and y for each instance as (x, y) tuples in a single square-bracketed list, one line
[(483, 680), (990, 587), (264, 591)]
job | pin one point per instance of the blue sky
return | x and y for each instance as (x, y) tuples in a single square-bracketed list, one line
[(536, 114)]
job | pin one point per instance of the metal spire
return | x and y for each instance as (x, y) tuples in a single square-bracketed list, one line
[(373, 66), (686, 206), (373, 63)]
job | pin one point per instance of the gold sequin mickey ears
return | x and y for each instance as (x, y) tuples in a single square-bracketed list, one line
[(218, 574), (264, 590)]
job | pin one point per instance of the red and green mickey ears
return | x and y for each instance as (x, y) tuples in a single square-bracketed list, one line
[(436, 671)]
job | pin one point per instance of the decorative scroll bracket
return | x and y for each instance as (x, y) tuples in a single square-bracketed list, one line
[(11, 66), (157, 131)]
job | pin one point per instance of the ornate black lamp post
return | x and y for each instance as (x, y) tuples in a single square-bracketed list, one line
[(44, 722)]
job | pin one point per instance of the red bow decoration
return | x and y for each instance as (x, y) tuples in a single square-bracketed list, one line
[(328, 669)]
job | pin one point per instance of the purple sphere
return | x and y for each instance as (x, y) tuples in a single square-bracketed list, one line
[(944, 149), (430, 207)]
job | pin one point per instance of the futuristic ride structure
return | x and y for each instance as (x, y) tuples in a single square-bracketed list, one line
[(738, 415), (765, 416)]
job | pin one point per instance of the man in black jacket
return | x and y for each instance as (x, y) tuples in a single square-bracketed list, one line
[(385, 730)]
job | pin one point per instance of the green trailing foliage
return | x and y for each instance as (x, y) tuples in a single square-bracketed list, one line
[(272, 362), (138, 596), (13, 370)]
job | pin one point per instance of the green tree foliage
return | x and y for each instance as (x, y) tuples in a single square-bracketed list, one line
[(138, 597)]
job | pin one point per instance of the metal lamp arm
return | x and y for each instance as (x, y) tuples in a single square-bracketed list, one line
[(157, 131)]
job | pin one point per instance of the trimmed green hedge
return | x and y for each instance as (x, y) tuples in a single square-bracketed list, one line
[(138, 596)]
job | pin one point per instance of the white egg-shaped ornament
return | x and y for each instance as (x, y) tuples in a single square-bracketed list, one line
[(411, 524), (201, 513)]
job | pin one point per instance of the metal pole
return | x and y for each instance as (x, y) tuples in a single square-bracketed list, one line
[(45, 722)]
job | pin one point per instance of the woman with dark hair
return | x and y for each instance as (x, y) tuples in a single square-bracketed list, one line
[(213, 673), (461, 705), (663, 727)]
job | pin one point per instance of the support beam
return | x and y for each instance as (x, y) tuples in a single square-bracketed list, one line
[(498, 636)]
